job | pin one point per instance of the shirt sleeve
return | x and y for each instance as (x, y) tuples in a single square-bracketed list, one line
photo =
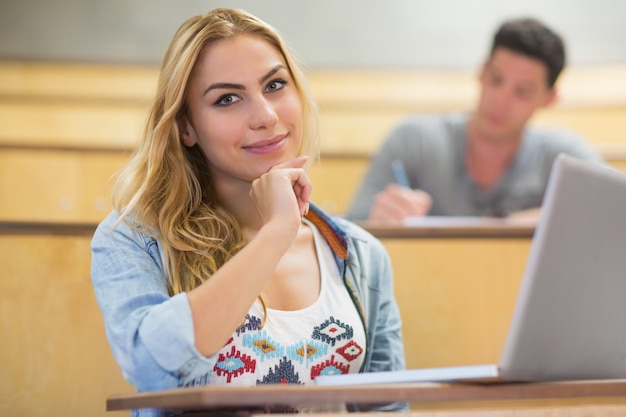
[(150, 332), (387, 344), (565, 141)]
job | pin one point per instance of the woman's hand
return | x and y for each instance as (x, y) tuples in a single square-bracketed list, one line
[(281, 197), (282, 194)]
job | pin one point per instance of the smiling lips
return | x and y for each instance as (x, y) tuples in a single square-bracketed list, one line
[(267, 146)]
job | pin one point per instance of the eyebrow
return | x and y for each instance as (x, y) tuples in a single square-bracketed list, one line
[(234, 86)]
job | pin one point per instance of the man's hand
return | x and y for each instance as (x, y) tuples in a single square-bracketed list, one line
[(395, 203)]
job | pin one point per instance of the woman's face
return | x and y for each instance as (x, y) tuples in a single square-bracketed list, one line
[(245, 110)]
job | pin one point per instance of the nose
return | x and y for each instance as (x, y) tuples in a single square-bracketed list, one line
[(263, 114), (503, 98)]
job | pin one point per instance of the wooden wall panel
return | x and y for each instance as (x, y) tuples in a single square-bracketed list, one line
[(456, 297), (104, 106), (70, 124), (49, 185)]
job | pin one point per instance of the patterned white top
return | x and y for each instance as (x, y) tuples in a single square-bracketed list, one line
[(294, 347)]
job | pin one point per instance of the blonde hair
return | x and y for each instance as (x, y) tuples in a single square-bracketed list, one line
[(166, 189)]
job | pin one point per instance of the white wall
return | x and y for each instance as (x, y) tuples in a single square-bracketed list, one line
[(430, 34)]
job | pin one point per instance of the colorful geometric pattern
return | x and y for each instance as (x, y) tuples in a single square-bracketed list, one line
[(252, 323), (263, 345), (253, 351), (332, 331), (283, 373), (233, 364), (350, 351), (307, 352), (329, 367)]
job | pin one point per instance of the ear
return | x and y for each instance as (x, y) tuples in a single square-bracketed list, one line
[(187, 132), (551, 97)]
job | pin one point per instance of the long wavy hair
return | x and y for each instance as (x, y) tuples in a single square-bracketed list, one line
[(166, 189)]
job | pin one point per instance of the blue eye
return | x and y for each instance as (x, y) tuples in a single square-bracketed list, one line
[(276, 85), (227, 100)]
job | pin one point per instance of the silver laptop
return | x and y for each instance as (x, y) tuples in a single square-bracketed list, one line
[(569, 322)]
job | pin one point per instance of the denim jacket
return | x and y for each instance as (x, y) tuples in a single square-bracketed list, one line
[(151, 333)]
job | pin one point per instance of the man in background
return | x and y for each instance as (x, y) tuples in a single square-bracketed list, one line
[(489, 162)]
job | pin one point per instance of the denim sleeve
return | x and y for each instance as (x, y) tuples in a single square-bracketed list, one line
[(150, 333), (388, 345), (385, 325)]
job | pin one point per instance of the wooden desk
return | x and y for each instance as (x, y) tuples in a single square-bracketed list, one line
[(453, 227), (243, 400)]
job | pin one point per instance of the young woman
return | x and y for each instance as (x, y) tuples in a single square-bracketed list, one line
[(215, 267)]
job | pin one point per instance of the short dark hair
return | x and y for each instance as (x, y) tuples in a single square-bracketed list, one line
[(530, 37)]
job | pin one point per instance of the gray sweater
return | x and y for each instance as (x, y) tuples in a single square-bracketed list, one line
[(432, 149)]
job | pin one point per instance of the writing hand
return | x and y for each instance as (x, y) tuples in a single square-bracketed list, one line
[(395, 203)]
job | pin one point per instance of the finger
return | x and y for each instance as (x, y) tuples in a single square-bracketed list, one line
[(401, 201), (298, 162), (385, 208), (302, 188), (396, 203)]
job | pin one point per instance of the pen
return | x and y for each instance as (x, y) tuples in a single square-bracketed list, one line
[(399, 173)]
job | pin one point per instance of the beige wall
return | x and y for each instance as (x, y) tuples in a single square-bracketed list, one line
[(76, 123), (353, 34)]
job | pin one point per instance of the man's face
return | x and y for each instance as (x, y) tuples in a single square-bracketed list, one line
[(513, 86)]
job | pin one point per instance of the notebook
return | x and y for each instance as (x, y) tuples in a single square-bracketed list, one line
[(569, 321)]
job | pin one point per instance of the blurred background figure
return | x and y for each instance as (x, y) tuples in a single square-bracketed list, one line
[(489, 162)]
